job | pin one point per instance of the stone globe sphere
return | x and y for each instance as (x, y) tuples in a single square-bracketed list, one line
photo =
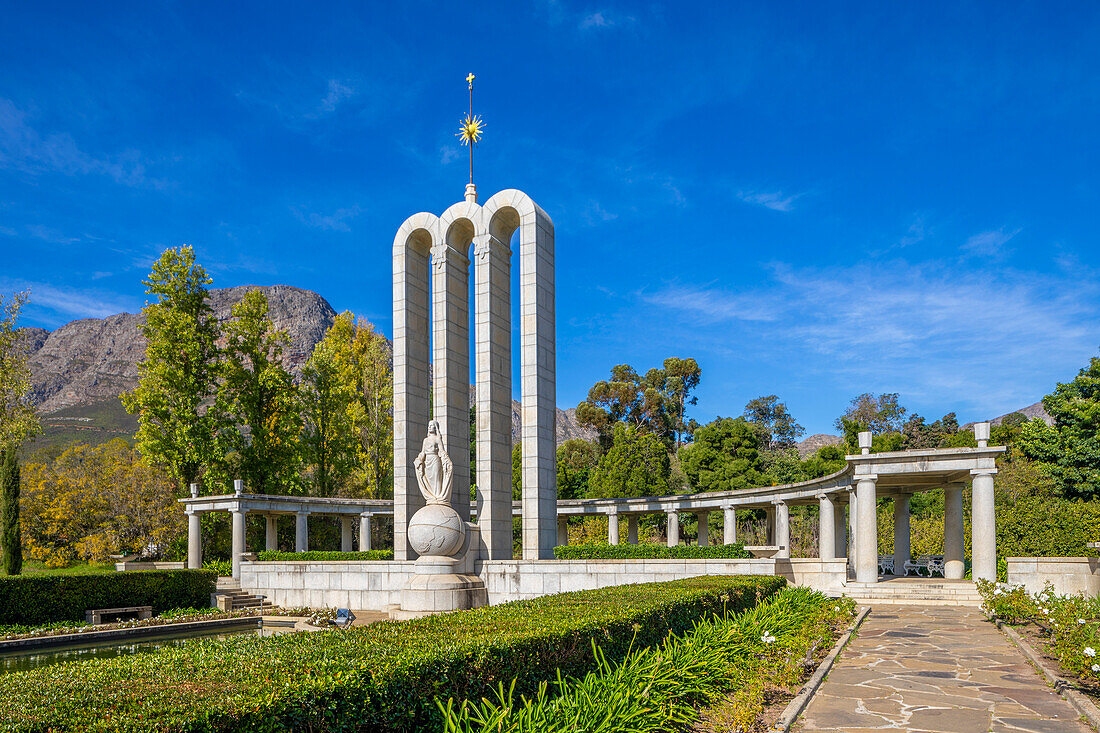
[(436, 530)]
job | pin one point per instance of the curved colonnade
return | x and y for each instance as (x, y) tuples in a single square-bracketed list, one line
[(847, 502)]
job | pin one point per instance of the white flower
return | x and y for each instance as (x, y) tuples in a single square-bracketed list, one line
[(1090, 652), (1096, 668), (767, 638), (1080, 620)]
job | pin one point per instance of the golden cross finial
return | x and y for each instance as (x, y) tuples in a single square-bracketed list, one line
[(471, 128)]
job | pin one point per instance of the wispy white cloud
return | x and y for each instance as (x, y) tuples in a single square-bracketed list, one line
[(933, 332), (24, 148), (46, 234), (448, 153), (989, 243), (337, 221), (7, 231), (774, 200), (67, 303), (594, 214), (602, 19), (337, 93)]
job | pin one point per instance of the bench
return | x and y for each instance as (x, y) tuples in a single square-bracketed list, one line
[(925, 565), (95, 615), (885, 564)]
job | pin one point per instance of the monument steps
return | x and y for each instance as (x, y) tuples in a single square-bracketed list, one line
[(235, 598), (902, 592)]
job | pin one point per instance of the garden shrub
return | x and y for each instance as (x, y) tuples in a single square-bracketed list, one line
[(323, 556), (38, 599), (631, 552), (382, 677)]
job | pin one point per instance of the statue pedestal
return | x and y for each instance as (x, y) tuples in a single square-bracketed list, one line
[(444, 583)]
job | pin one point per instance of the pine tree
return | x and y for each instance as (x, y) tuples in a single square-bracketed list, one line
[(11, 546)]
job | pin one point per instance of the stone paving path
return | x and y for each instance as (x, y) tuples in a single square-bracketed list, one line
[(935, 668)]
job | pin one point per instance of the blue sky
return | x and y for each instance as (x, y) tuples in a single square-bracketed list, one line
[(813, 200)]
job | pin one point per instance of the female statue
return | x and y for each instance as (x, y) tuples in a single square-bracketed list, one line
[(434, 470)]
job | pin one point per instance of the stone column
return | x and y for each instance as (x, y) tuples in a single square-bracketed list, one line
[(613, 527), (493, 367), (364, 531), (840, 531), (867, 528), (347, 534), (853, 522), (238, 548), (411, 335), (673, 527), (769, 525), (983, 526), (194, 540), (902, 549), (451, 355), (826, 528), (632, 528), (301, 532), (782, 529), (271, 532), (704, 528), (729, 524), (563, 531), (954, 561), (537, 351)]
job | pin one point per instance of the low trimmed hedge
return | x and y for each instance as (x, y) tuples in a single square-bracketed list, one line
[(39, 599), (650, 551), (382, 677), (322, 556)]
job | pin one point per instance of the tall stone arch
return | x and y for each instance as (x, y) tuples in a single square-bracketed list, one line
[(467, 231)]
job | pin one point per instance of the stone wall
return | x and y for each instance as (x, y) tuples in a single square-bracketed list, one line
[(1068, 575), (366, 585)]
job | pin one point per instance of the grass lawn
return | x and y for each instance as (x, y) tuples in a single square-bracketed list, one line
[(33, 567)]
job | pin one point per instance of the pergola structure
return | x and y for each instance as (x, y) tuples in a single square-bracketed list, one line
[(240, 504), (865, 479)]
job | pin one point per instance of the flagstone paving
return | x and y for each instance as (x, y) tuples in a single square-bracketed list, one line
[(929, 668)]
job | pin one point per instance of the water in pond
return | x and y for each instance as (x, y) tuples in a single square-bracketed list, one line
[(18, 661)]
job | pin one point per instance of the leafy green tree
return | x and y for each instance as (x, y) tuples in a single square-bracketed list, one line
[(1009, 429), (778, 428), (1070, 449), (576, 460), (258, 402), (11, 544), (655, 403), (178, 376), (827, 459), (724, 455), (18, 422), (637, 464), (882, 414), (328, 391), (372, 413), (517, 472)]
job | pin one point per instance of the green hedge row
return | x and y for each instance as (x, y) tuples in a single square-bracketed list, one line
[(382, 677), (38, 599), (630, 552), (322, 556)]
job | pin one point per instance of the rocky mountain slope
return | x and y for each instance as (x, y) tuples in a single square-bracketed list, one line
[(78, 371)]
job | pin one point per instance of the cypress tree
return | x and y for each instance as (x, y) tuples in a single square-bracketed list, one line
[(11, 544)]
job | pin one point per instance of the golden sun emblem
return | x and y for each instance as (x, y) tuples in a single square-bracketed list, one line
[(471, 129)]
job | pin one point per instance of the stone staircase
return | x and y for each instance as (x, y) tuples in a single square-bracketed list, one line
[(914, 592), (230, 597)]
